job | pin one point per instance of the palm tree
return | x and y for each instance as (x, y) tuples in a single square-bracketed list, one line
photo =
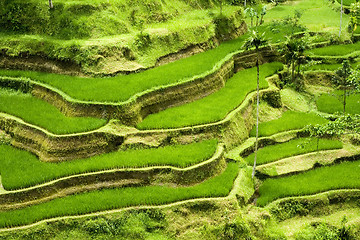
[(256, 40)]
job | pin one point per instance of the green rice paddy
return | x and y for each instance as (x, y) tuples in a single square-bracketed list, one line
[(40, 113), (317, 15), (214, 107), (288, 121), (333, 102), (107, 199), (123, 87), (21, 169), (335, 50), (341, 176), (295, 147)]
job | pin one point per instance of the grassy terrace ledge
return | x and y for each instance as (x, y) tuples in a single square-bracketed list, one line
[(20, 169), (218, 186), (214, 107)]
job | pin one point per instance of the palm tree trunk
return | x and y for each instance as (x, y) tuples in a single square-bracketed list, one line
[(293, 71), (257, 109), (317, 144), (221, 7), (341, 12), (50, 4), (344, 103)]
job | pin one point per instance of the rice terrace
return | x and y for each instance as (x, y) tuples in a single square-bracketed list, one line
[(180, 119)]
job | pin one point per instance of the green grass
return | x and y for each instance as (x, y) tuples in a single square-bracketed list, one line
[(288, 121), (347, 2), (43, 114), (121, 88), (341, 176), (292, 148), (215, 106), (334, 50), (20, 169), (333, 102), (317, 15), (330, 67), (118, 198)]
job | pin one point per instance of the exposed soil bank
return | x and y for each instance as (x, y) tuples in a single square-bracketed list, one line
[(51, 147)]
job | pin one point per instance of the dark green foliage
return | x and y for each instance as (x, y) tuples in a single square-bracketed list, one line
[(342, 125), (347, 81), (237, 229), (224, 26), (323, 231)]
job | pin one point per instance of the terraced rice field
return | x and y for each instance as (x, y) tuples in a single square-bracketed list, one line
[(178, 137), (121, 88), (214, 107), (288, 121), (40, 113), (335, 50), (340, 176), (292, 148), (333, 102), (20, 169), (218, 186)]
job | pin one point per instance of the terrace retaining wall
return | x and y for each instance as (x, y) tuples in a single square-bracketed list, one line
[(58, 147), (115, 178)]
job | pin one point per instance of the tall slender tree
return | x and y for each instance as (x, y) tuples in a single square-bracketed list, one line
[(221, 6), (347, 80), (50, 4), (256, 40), (341, 13)]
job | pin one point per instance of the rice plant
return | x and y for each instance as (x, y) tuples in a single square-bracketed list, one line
[(215, 106), (218, 186), (292, 148), (288, 121), (43, 114), (121, 88), (335, 50), (341, 176), (332, 102), (20, 169)]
